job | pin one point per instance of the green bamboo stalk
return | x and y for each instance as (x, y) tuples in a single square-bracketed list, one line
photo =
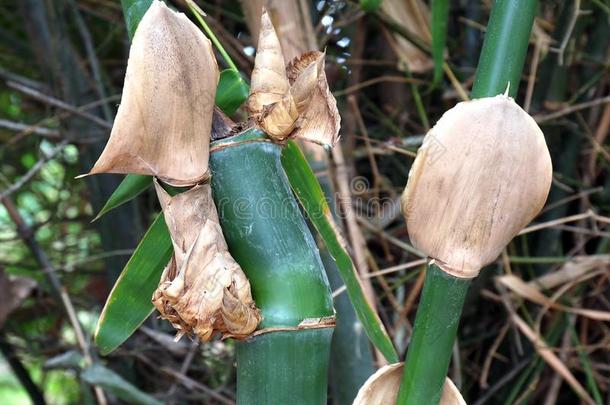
[(505, 47), (269, 238), (427, 361), (435, 328)]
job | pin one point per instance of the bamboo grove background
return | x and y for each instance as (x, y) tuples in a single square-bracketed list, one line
[(62, 66)]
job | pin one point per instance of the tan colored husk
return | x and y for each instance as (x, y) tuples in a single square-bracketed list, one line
[(482, 174), (202, 290), (293, 102), (303, 74), (269, 83), (320, 120), (382, 388), (278, 119), (413, 15), (294, 28), (163, 123)]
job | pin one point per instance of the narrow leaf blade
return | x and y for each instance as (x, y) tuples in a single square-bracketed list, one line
[(131, 187), (307, 189), (134, 10), (129, 302), (440, 17), (232, 91)]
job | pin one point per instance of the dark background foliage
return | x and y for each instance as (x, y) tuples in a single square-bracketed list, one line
[(62, 64)]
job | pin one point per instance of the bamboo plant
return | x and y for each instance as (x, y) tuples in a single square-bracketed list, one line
[(482, 174), (287, 358), (203, 290), (490, 176), (352, 359), (266, 284)]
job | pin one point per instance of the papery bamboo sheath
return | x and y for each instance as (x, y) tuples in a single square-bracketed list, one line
[(172, 72), (499, 69)]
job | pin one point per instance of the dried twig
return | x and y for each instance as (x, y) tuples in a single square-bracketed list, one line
[(26, 128), (569, 110)]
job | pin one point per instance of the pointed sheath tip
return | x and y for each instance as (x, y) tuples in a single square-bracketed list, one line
[(268, 83), (186, 75)]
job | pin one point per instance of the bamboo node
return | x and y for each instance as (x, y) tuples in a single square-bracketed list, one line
[(453, 271), (307, 323)]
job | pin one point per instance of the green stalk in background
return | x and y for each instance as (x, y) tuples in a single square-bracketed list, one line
[(436, 324), (505, 48), (268, 236), (439, 15), (427, 361), (115, 326)]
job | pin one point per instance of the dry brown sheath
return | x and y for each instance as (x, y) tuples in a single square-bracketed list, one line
[(382, 388), (163, 123), (413, 15), (482, 174), (319, 120), (293, 102), (202, 290), (269, 83)]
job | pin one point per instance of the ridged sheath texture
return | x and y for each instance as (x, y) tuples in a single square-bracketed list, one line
[(482, 174), (163, 124), (294, 102)]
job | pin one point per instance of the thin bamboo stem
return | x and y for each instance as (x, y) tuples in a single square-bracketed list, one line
[(500, 67), (198, 13), (505, 47), (22, 374), (435, 328)]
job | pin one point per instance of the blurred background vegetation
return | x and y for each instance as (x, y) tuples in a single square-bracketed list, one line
[(62, 65)]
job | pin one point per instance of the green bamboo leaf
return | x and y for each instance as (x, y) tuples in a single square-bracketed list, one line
[(439, 17), (231, 92), (129, 302), (131, 186), (370, 5), (96, 374), (134, 10), (307, 189)]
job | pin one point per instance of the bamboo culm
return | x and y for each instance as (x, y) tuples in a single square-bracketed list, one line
[(500, 67), (269, 238)]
